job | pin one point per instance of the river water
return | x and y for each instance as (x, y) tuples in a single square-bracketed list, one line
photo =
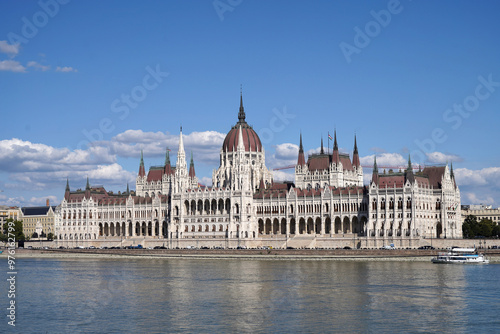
[(263, 296)]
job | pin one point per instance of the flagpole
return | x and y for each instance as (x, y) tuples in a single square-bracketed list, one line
[(328, 142)]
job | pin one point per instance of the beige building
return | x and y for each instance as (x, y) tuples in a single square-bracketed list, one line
[(7, 212), (481, 212), (38, 219)]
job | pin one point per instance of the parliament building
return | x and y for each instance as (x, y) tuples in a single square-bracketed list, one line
[(327, 206)]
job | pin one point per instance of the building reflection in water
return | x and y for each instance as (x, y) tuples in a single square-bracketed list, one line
[(202, 295)]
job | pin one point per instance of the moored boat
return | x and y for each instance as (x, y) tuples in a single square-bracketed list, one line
[(461, 256)]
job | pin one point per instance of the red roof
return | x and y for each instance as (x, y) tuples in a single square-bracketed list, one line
[(250, 139), (435, 175), (318, 162), (346, 162), (155, 174), (391, 181)]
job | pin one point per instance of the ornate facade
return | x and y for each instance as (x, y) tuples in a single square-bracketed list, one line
[(327, 206)]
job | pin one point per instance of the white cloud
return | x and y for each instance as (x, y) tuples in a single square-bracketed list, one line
[(442, 158), (17, 155), (139, 136), (41, 201), (9, 49), (206, 181), (280, 176), (11, 66), (113, 173), (66, 69), (481, 177), (286, 151), (38, 66), (14, 201), (472, 198), (385, 160)]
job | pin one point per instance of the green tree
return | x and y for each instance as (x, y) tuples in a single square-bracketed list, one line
[(15, 228), (470, 227), (486, 228), (50, 236), (496, 231)]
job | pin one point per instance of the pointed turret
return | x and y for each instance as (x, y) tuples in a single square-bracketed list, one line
[(375, 170), (335, 153), (67, 191), (241, 114), (191, 167), (335, 146), (409, 171), (142, 172), (128, 190), (181, 172), (181, 144), (355, 156), (87, 189), (322, 149), (168, 167), (301, 161)]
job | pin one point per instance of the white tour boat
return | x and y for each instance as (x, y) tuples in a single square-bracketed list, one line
[(461, 255)]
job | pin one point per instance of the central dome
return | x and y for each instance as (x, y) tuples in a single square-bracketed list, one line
[(250, 138)]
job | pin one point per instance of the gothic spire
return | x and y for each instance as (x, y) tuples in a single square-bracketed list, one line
[(142, 172), (355, 145), (128, 190), (168, 168), (87, 189), (191, 167), (409, 172), (335, 153), (301, 160), (241, 114), (167, 157), (335, 146), (375, 171), (322, 150), (181, 167), (67, 192), (181, 143), (355, 155)]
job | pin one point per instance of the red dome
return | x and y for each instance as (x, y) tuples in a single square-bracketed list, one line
[(250, 139)]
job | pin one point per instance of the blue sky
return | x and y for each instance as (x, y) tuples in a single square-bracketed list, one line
[(85, 85)]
